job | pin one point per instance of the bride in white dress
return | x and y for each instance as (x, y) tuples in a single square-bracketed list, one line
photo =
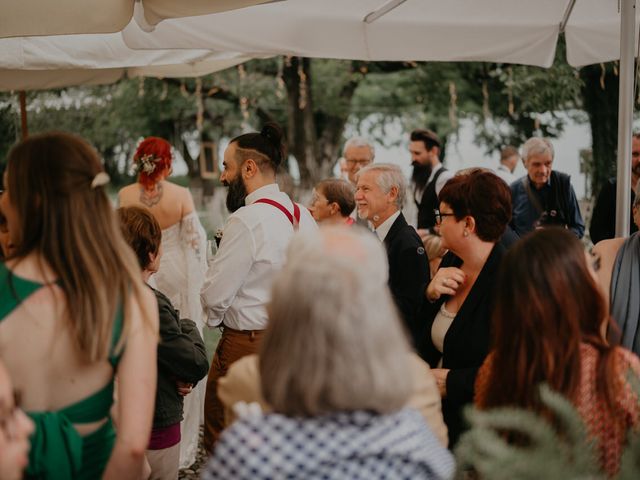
[(183, 265)]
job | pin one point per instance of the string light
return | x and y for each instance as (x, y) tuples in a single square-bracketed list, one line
[(302, 76), (453, 107)]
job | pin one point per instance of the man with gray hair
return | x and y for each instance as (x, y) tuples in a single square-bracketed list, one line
[(358, 152), (380, 194), (543, 197)]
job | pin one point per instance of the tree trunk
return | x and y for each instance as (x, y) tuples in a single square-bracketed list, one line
[(600, 101), (314, 138)]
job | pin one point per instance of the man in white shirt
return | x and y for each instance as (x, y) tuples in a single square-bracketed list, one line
[(380, 194), (509, 158), (429, 176), (252, 250)]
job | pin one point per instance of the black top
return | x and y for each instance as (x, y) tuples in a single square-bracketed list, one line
[(408, 272), (603, 219), (428, 203), (466, 343), (181, 356)]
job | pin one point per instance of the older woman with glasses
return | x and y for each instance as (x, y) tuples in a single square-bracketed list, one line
[(475, 209)]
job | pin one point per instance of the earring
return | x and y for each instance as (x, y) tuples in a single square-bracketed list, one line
[(465, 234)]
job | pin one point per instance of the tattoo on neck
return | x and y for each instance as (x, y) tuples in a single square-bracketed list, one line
[(150, 198)]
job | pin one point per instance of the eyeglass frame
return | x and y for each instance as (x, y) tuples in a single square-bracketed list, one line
[(439, 215)]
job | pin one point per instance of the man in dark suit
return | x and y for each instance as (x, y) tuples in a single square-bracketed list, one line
[(603, 219), (380, 193)]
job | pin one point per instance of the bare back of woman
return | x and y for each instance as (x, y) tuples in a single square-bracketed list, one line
[(73, 313), (168, 202)]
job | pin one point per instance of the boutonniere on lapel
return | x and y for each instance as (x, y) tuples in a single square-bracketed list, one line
[(218, 236)]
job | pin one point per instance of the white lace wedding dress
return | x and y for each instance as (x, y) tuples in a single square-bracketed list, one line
[(182, 271)]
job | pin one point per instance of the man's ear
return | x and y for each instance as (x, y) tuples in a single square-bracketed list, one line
[(393, 194), (334, 208), (249, 168)]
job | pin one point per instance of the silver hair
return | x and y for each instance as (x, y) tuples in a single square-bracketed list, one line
[(334, 341), (389, 176), (359, 142), (537, 146)]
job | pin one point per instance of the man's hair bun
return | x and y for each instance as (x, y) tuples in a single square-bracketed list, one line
[(272, 132), (268, 142)]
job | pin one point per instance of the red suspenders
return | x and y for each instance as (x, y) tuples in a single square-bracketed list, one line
[(294, 219)]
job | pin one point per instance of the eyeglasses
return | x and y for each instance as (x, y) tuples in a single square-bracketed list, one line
[(357, 162), (439, 215)]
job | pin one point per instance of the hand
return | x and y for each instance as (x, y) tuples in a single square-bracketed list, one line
[(441, 379), (184, 388), (445, 282)]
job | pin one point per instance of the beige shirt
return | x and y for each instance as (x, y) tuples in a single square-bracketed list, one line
[(242, 384)]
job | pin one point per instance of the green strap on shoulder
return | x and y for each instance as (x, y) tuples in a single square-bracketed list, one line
[(13, 291)]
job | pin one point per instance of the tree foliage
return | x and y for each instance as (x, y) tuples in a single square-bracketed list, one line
[(315, 99)]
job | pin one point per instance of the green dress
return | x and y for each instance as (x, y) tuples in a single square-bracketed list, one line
[(57, 450)]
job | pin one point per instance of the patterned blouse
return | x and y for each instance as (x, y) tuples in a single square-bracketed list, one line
[(347, 445), (608, 427)]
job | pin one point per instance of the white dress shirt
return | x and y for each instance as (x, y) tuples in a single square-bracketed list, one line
[(505, 174), (442, 179), (384, 227), (255, 237)]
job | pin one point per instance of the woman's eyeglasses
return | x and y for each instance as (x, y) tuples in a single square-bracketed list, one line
[(439, 215)]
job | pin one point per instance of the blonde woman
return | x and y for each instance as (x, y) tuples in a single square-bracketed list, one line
[(183, 266), (73, 312)]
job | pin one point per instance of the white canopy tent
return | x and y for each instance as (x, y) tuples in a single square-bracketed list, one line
[(41, 63), (36, 63), (508, 31), (65, 17)]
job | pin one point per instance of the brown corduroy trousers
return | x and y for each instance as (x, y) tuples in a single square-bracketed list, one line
[(233, 345)]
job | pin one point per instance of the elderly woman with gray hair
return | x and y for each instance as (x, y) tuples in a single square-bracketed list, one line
[(334, 370)]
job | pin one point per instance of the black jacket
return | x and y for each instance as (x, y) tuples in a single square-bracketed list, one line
[(603, 219), (428, 203), (181, 356), (408, 272), (466, 343)]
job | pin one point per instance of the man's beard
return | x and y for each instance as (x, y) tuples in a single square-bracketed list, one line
[(420, 175), (236, 194)]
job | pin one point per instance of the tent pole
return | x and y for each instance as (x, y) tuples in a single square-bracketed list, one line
[(625, 115), (23, 114)]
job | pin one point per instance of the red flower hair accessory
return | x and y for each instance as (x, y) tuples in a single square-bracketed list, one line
[(152, 159)]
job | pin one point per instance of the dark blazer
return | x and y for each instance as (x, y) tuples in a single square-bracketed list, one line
[(603, 218), (181, 356), (466, 343), (408, 273)]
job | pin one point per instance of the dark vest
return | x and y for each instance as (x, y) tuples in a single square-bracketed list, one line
[(429, 202), (555, 211)]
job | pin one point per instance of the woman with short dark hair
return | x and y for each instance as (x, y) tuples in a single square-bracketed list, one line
[(475, 208), (333, 201), (182, 357)]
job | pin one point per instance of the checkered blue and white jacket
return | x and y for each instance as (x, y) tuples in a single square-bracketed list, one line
[(348, 445)]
